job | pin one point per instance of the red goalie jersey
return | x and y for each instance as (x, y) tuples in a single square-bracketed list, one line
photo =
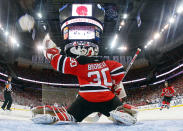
[(168, 91), (95, 75)]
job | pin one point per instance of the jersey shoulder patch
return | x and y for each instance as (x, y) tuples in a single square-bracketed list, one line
[(73, 62)]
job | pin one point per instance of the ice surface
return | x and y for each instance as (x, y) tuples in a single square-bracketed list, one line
[(159, 125), (175, 113), (150, 120)]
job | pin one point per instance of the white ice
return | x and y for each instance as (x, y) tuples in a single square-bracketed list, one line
[(149, 120)]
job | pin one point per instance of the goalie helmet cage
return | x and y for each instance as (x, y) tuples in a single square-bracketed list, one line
[(59, 95)]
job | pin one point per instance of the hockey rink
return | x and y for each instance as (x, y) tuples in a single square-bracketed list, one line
[(148, 120)]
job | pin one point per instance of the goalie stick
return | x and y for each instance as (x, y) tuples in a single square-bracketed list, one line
[(123, 92), (132, 61)]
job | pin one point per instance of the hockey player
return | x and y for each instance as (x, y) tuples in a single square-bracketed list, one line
[(167, 93), (97, 78)]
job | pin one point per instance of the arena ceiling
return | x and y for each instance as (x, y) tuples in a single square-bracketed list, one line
[(153, 16)]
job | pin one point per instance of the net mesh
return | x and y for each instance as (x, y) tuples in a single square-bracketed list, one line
[(59, 95)]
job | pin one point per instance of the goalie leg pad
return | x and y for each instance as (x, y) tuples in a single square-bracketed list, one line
[(44, 119), (123, 118), (63, 116), (132, 110), (47, 109)]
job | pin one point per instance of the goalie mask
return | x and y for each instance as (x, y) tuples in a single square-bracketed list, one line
[(81, 48)]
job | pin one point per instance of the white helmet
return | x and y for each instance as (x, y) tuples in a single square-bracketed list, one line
[(81, 48)]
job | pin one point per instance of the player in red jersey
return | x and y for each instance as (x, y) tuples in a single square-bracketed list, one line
[(97, 78), (167, 93)]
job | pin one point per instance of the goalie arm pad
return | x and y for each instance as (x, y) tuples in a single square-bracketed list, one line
[(66, 65), (117, 71)]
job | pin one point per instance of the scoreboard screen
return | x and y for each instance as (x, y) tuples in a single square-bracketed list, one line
[(81, 32)]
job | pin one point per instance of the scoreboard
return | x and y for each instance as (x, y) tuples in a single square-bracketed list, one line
[(81, 22)]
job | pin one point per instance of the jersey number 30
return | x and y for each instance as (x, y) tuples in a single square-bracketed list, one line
[(98, 80)]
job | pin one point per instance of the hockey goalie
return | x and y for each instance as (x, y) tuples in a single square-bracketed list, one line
[(100, 85)]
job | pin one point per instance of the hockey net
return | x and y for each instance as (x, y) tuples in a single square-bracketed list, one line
[(59, 95)]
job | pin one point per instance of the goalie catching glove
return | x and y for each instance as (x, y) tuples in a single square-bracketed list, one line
[(50, 48)]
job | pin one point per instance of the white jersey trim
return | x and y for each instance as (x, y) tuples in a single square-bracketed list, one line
[(94, 91), (116, 69), (63, 67), (94, 85), (118, 74), (58, 63)]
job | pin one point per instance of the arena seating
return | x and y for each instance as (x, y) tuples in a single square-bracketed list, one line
[(151, 94)]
